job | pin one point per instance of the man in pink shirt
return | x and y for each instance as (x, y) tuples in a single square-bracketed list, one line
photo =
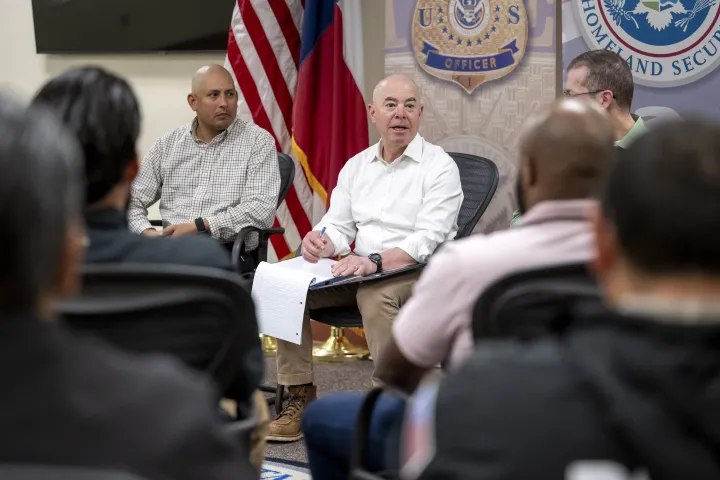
[(565, 151)]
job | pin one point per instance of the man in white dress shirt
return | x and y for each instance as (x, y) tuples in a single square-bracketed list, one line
[(398, 200)]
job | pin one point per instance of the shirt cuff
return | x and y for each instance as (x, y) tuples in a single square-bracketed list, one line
[(139, 225), (342, 247), (415, 247)]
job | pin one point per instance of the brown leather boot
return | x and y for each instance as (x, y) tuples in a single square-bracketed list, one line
[(286, 427)]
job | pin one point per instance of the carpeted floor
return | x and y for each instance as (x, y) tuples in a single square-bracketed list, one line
[(329, 377)]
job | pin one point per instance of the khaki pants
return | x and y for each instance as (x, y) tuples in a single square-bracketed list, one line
[(378, 302)]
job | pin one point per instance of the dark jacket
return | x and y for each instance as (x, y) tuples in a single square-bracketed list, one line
[(67, 400), (640, 393), (112, 242)]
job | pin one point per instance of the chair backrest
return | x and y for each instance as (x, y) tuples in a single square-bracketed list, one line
[(534, 302), (60, 472), (287, 175), (203, 316), (479, 178)]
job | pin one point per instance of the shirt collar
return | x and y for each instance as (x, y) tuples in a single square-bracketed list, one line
[(670, 310), (559, 210), (220, 136), (638, 130), (413, 151)]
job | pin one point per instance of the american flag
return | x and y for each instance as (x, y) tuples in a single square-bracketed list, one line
[(298, 68)]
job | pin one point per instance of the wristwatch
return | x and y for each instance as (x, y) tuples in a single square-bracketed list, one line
[(200, 225), (377, 260)]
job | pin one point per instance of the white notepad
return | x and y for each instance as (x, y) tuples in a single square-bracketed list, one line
[(280, 292)]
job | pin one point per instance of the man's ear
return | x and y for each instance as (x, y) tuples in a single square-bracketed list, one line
[(192, 101), (131, 170), (606, 99), (371, 112), (606, 246)]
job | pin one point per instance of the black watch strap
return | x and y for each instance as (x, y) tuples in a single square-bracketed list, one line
[(200, 225), (377, 260)]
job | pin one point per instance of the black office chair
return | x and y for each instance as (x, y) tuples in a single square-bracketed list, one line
[(247, 261), (205, 317), (479, 179), (532, 302), (60, 472)]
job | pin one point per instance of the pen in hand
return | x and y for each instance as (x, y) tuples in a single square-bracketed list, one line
[(322, 243)]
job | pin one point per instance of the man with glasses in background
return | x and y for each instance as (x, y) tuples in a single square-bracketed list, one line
[(604, 77)]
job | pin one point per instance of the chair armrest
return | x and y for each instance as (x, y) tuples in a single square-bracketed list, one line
[(238, 250)]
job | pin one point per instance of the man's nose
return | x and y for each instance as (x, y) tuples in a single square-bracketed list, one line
[(400, 112)]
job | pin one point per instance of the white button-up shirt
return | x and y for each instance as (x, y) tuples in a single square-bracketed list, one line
[(411, 203)]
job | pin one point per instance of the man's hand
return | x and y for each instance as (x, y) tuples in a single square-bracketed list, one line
[(151, 232), (314, 248), (180, 229), (354, 265)]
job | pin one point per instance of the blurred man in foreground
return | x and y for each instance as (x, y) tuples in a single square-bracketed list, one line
[(632, 391), (565, 151), (68, 400), (102, 111)]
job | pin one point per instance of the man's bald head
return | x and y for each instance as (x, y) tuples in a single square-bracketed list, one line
[(566, 149), (391, 82), (213, 98), (213, 71)]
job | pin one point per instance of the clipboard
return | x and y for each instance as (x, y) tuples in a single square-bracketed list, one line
[(350, 279)]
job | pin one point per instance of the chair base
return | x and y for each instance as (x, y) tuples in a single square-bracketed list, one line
[(269, 345), (338, 348)]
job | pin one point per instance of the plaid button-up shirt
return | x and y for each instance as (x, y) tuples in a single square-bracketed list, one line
[(232, 182)]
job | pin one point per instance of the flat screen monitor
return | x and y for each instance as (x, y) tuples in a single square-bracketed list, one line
[(131, 26)]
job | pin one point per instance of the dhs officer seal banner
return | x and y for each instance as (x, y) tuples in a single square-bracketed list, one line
[(666, 42), (469, 42)]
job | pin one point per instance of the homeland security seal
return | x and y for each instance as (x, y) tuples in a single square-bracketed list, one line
[(469, 42), (665, 42)]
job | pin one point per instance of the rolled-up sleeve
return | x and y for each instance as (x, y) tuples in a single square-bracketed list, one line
[(436, 220), (338, 221)]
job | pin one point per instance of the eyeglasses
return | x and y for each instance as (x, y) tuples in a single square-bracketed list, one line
[(568, 93)]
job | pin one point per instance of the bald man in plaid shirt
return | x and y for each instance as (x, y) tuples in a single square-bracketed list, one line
[(216, 175)]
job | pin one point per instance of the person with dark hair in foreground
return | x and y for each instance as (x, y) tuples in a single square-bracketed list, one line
[(627, 390), (565, 153), (67, 400), (103, 112)]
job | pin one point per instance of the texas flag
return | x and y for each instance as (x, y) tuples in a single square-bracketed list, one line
[(329, 120)]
